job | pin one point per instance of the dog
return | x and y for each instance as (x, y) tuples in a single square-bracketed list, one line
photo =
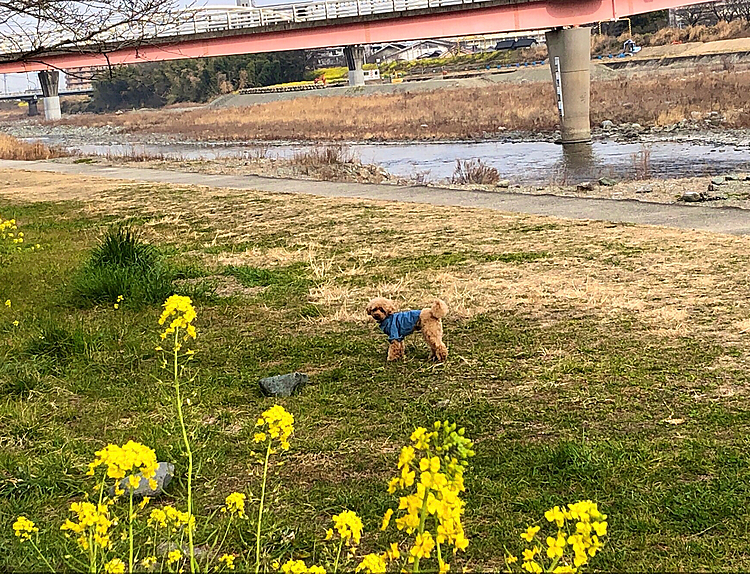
[(397, 325)]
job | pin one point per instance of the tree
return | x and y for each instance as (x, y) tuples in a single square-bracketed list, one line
[(196, 80), (32, 28)]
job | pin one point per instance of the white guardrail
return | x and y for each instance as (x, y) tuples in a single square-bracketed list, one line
[(218, 18)]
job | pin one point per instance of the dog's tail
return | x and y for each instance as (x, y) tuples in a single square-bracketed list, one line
[(439, 309)]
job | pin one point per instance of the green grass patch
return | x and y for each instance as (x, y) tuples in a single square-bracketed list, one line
[(564, 403)]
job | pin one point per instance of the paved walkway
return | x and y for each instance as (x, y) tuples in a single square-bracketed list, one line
[(716, 219)]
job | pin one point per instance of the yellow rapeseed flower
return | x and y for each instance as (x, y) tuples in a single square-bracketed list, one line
[(174, 556), (129, 459), (392, 553), (24, 528), (372, 564), (277, 423), (235, 504), (299, 567), (149, 562), (184, 315), (228, 560), (349, 527), (423, 545), (115, 566), (92, 519), (7, 303), (386, 519), (530, 533)]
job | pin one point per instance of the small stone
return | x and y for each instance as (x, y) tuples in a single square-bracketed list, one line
[(608, 125), (585, 186), (696, 116), (164, 475), (733, 177), (645, 189), (442, 404), (607, 181), (692, 197), (717, 180), (503, 183), (636, 127), (283, 385)]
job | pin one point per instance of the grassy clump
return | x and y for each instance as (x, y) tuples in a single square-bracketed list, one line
[(474, 171), (122, 265)]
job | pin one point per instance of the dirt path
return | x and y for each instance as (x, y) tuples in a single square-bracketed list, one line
[(720, 220)]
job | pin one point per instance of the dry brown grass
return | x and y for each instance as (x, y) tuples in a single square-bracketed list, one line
[(465, 114), (675, 281), (12, 148)]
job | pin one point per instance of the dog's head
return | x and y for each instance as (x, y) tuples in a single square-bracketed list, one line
[(379, 308)]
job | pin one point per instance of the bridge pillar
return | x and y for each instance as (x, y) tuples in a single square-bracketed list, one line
[(33, 109), (570, 61), (49, 79), (355, 59)]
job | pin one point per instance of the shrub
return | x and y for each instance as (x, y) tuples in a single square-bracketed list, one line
[(122, 265), (474, 171)]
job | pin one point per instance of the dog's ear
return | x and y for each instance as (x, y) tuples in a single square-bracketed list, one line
[(389, 306), (370, 306)]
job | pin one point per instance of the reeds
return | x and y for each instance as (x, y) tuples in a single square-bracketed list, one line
[(13, 148)]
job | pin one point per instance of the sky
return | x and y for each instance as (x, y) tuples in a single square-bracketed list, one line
[(10, 83)]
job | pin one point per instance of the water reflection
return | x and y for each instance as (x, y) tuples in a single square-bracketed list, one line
[(578, 162), (529, 163)]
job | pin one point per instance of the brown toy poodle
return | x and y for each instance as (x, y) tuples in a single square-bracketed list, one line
[(397, 325)]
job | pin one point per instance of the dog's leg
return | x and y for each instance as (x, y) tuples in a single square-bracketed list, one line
[(432, 331), (396, 351)]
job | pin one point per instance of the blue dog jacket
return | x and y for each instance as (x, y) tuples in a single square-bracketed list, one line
[(399, 325)]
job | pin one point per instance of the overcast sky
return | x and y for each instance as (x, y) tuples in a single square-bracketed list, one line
[(21, 82)]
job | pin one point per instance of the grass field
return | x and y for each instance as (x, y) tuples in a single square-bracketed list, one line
[(587, 360)]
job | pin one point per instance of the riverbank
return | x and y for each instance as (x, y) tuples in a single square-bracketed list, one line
[(704, 98)]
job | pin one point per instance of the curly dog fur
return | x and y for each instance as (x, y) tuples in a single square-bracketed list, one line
[(429, 324)]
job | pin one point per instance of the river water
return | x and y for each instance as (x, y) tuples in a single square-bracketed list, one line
[(530, 163)]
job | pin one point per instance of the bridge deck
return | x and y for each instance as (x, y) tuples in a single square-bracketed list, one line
[(325, 24)]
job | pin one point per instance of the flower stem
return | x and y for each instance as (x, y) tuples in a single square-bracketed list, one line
[(260, 509), (338, 555), (131, 565), (422, 520), (41, 555), (193, 564)]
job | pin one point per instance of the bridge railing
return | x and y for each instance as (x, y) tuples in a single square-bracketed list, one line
[(215, 19)]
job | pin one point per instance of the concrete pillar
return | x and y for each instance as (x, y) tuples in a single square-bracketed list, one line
[(570, 61), (33, 109), (355, 59), (49, 80)]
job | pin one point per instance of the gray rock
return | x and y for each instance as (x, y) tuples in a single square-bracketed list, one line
[(585, 186), (636, 127), (645, 189), (607, 181), (717, 180), (503, 183), (733, 177), (164, 475), (692, 197), (608, 125), (283, 385)]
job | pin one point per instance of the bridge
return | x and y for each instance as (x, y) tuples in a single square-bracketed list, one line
[(208, 32)]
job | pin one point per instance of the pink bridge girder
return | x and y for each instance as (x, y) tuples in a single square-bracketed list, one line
[(460, 22)]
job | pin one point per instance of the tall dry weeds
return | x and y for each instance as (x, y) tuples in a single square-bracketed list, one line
[(468, 113), (12, 148)]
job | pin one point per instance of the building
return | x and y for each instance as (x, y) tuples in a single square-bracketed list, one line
[(81, 78)]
